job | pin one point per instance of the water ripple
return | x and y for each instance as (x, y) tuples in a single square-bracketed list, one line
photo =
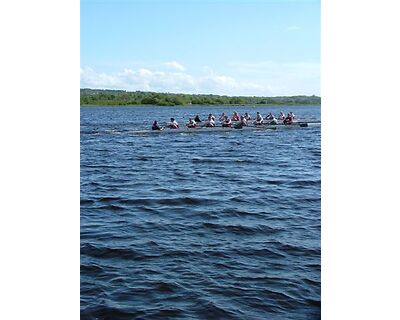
[(206, 226)]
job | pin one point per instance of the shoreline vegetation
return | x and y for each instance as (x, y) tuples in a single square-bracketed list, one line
[(97, 97)]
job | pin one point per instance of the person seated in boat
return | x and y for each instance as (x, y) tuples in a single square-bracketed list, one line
[(227, 123), (288, 119), (282, 116), (272, 120), (259, 119), (197, 118), (173, 124), (270, 116), (247, 116), (223, 118), (156, 126), (242, 123), (292, 114), (191, 123), (235, 116), (210, 121)]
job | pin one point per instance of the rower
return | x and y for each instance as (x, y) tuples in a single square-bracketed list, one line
[(292, 114), (247, 116), (242, 123), (227, 123), (270, 116), (173, 124), (210, 121), (191, 123), (197, 118), (259, 119), (223, 118), (156, 126), (243, 120), (288, 119), (235, 116), (281, 116), (273, 120)]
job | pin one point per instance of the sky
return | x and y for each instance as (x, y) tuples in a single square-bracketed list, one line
[(227, 47)]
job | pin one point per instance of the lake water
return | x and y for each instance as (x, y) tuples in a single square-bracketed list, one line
[(221, 225)]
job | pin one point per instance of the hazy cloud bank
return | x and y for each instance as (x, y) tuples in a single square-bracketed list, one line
[(267, 78)]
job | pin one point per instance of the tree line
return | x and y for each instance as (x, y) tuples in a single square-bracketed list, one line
[(123, 98)]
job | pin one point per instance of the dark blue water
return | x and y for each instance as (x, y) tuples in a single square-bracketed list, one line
[(221, 225)]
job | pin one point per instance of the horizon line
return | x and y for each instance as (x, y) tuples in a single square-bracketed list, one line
[(207, 94)]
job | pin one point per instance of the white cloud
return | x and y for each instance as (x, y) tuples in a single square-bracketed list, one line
[(88, 75), (175, 65), (145, 73), (147, 80), (256, 78)]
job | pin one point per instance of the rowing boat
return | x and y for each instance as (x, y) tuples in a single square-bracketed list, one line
[(250, 127)]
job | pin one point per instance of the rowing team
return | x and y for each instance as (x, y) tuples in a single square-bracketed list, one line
[(240, 121)]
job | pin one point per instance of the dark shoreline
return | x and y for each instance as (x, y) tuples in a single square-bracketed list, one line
[(200, 105), (89, 97)]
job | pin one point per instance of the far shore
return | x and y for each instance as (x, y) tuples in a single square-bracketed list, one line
[(97, 97), (201, 105)]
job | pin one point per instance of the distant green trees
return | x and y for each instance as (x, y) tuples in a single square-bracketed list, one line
[(121, 97)]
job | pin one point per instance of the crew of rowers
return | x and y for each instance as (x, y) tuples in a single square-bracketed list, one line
[(226, 121)]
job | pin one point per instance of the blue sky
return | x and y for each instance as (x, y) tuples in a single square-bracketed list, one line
[(230, 47)]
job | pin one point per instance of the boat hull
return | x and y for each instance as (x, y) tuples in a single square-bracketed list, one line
[(230, 129)]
